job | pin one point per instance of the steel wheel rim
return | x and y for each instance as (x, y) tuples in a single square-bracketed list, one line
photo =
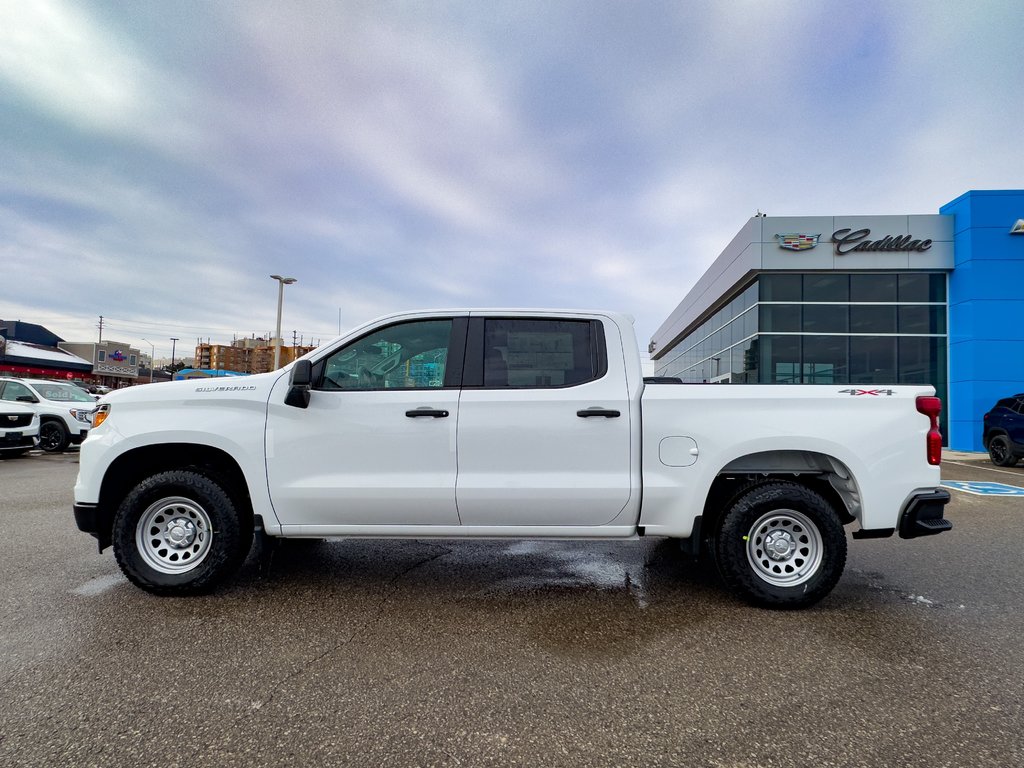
[(174, 535), (50, 436), (784, 547)]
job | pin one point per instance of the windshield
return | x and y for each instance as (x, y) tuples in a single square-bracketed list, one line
[(64, 393)]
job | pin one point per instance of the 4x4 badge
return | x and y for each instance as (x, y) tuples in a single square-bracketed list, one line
[(875, 392)]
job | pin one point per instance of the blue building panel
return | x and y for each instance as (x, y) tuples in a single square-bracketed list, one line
[(979, 209), (989, 244), (988, 360), (984, 321), (989, 280), (986, 309)]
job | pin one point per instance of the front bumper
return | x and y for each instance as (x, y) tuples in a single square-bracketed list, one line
[(20, 443), (923, 515)]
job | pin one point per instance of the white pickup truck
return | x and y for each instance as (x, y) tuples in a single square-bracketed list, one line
[(506, 424)]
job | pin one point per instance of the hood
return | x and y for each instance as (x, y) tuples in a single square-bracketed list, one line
[(14, 409), (256, 387)]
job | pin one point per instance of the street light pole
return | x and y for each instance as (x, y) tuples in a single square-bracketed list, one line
[(281, 283), (152, 354)]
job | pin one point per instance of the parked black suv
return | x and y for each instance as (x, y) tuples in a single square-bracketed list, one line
[(1003, 436)]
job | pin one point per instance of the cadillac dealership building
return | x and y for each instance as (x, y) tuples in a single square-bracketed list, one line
[(865, 301)]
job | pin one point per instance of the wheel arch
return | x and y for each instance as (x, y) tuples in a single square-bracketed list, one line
[(51, 418), (131, 467), (822, 473), (993, 432)]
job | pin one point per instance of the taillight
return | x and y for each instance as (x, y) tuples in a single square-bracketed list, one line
[(932, 407)]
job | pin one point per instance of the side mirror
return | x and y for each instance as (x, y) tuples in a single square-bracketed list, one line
[(301, 380), (26, 399)]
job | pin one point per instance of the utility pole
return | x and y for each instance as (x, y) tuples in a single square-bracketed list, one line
[(101, 330), (174, 341)]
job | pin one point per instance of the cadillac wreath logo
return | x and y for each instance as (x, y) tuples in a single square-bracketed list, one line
[(795, 242)]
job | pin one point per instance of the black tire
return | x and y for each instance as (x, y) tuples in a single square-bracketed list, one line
[(780, 545), (180, 533), (1000, 451), (53, 436)]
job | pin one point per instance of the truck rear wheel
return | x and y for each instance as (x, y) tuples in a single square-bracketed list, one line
[(180, 533), (780, 545)]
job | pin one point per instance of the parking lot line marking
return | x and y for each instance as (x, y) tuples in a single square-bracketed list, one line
[(987, 469), (984, 488)]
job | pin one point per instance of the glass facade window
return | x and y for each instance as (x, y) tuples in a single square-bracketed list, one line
[(872, 359), (922, 359), (827, 328), (825, 318), (825, 360), (922, 287), (781, 287), (918, 318), (873, 318), (827, 287), (780, 359), (780, 318), (870, 288)]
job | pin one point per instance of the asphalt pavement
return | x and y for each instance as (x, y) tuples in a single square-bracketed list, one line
[(419, 653)]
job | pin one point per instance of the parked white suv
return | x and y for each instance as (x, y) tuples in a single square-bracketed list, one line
[(19, 429), (64, 410)]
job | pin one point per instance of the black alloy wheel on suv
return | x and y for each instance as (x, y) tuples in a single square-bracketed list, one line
[(53, 436)]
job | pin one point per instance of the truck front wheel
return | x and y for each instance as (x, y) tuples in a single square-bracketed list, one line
[(780, 545), (180, 533)]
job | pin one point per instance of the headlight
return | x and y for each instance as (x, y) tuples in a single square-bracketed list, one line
[(82, 415), (100, 415)]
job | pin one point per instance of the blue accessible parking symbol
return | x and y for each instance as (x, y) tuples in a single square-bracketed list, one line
[(984, 489)]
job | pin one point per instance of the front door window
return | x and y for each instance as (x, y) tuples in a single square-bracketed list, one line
[(405, 356)]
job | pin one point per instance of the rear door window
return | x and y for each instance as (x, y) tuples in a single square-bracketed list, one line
[(526, 353)]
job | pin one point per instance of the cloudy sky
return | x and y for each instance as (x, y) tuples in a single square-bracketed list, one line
[(159, 160)]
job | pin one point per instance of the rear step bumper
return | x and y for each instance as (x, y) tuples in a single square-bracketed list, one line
[(923, 515)]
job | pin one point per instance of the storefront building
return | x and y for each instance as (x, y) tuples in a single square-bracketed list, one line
[(865, 300), (32, 361), (115, 364)]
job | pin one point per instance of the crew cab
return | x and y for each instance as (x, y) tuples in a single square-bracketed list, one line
[(507, 424)]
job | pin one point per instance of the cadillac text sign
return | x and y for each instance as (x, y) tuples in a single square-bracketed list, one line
[(854, 241)]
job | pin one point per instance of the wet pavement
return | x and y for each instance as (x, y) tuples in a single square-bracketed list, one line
[(418, 653)]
